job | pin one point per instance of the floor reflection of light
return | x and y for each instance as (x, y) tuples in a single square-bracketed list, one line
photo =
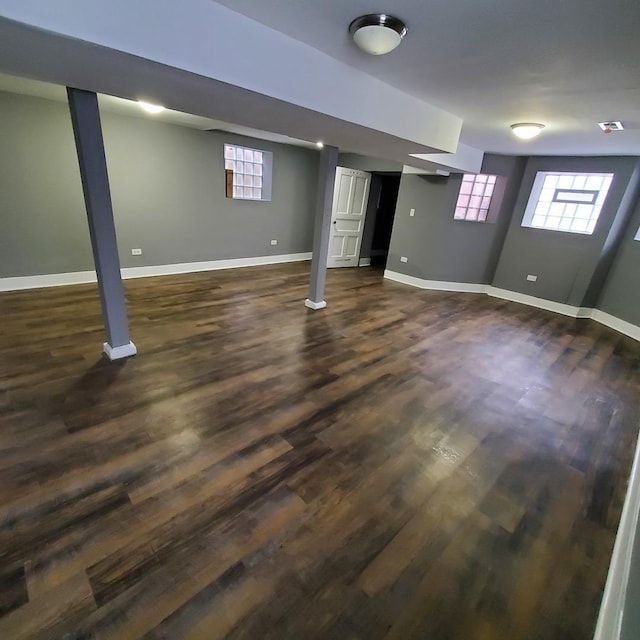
[(186, 439)]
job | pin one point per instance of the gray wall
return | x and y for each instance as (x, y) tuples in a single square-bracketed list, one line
[(43, 226), (167, 186), (168, 193), (439, 247), (365, 163), (565, 263), (621, 293)]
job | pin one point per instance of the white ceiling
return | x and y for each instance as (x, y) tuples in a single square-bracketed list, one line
[(290, 67), (201, 58), (565, 63)]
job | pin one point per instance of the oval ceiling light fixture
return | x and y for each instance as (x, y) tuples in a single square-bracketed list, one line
[(377, 33), (150, 108), (320, 144), (527, 130)]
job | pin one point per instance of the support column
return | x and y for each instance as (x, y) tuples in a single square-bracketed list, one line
[(322, 227), (85, 118)]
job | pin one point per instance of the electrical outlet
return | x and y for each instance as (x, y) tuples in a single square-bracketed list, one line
[(136, 252), (531, 278), (404, 259), (274, 243), (412, 212)]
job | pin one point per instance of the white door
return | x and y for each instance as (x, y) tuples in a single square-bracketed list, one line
[(351, 192)]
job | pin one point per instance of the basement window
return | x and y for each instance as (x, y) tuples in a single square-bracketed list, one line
[(569, 202), (474, 198), (248, 173)]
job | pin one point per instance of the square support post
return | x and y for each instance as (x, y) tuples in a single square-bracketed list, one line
[(322, 227), (87, 130)]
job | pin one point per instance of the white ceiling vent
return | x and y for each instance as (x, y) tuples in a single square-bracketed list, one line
[(608, 127)]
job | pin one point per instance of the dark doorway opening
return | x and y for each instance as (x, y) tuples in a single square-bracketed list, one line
[(381, 210)]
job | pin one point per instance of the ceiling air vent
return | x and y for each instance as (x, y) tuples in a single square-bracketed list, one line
[(608, 127)]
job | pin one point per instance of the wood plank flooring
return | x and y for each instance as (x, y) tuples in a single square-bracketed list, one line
[(403, 464)]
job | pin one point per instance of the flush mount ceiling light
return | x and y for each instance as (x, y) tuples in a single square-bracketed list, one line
[(320, 144), (527, 130), (377, 33), (150, 108)]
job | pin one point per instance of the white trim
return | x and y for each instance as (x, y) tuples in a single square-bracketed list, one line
[(621, 326), (211, 265), (315, 305), (47, 280), (83, 277), (540, 303), (123, 351), (364, 262), (435, 285), (609, 626)]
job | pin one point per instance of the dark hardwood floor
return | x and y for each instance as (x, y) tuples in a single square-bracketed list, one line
[(403, 464)]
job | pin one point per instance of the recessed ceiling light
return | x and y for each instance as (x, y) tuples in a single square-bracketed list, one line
[(150, 108), (527, 130), (613, 125), (320, 144), (377, 33)]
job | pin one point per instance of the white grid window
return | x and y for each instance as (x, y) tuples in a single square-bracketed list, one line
[(251, 172), (569, 202), (475, 196)]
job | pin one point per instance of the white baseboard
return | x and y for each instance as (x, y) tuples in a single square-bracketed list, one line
[(47, 280), (83, 277), (211, 265), (540, 303), (435, 285), (315, 305), (621, 326), (609, 626), (117, 353), (364, 262)]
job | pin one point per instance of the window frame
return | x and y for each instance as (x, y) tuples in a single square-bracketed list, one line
[(593, 218), (266, 175), (494, 197)]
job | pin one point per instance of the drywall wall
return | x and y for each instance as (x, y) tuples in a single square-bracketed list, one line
[(564, 263), (614, 240), (436, 246), (167, 186), (620, 295), (365, 163), (43, 225)]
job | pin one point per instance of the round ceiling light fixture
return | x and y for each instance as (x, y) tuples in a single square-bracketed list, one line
[(527, 130), (377, 33)]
